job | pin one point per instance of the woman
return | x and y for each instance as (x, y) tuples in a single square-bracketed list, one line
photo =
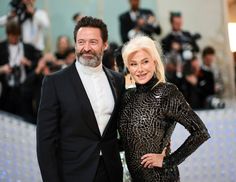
[(148, 116)]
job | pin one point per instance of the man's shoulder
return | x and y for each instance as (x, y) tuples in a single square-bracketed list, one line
[(4, 52), (145, 11), (3, 43), (167, 37), (30, 47), (206, 71), (186, 33), (124, 15)]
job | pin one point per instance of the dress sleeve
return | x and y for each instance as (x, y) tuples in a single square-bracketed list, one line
[(177, 109)]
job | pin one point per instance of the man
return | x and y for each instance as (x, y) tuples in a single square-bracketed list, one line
[(17, 61), (186, 40), (34, 21), (198, 84), (208, 59), (77, 129), (137, 21)]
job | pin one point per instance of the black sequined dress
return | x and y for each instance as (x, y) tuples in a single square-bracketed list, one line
[(148, 116)]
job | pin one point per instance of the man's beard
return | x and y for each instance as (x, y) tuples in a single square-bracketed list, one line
[(94, 61)]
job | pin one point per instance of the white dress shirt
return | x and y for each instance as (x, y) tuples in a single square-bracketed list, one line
[(98, 91)]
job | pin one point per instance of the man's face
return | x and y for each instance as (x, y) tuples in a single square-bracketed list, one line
[(63, 44), (13, 39), (177, 23), (89, 46), (134, 4), (209, 59), (195, 65)]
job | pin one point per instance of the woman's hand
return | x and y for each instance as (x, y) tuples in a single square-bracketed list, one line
[(153, 160)]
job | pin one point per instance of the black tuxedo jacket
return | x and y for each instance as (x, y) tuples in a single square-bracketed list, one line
[(126, 24), (68, 137)]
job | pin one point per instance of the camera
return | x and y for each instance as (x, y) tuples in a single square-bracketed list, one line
[(213, 102), (18, 6), (187, 43), (20, 10), (13, 79)]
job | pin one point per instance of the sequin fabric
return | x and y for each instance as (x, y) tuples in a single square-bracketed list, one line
[(147, 119)]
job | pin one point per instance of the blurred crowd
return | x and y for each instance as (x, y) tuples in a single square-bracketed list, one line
[(24, 62)]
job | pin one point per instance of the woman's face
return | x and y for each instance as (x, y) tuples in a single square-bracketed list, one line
[(141, 66)]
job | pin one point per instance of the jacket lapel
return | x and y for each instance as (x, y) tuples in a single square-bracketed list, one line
[(112, 83), (114, 89), (88, 114)]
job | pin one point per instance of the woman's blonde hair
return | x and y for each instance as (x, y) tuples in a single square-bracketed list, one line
[(143, 42)]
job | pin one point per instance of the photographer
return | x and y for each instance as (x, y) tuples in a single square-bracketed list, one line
[(47, 64), (33, 21), (198, 86), (186, 40), (136, 21), (17, 60)]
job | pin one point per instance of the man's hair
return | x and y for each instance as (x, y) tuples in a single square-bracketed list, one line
[(13, 27), (89, 21), (208, 51), (174, 14), (75, 16)]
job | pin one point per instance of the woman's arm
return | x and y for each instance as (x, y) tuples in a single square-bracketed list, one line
[(178, 109)]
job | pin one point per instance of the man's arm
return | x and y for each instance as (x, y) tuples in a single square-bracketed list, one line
[(42, 19), (47, 132)]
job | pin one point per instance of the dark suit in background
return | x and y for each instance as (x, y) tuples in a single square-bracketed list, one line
[(17, 99), (126, 24), (184, 38)]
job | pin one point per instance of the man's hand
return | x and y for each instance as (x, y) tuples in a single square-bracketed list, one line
[(40, 67), (29, 6), (151, 20), (5, 69), (25, 62), (192, 79)]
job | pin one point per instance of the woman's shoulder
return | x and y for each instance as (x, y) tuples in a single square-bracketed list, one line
[(127, 96), (129, 91), (166, 88)]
